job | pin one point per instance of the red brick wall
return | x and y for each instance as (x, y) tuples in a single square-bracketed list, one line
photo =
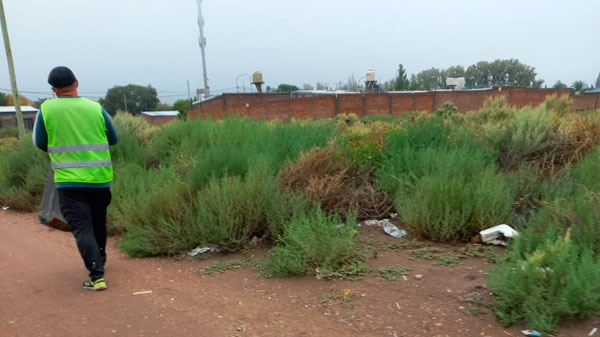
[(158, 120), (284, 106)]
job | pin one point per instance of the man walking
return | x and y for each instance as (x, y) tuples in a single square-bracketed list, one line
[(76, 132)]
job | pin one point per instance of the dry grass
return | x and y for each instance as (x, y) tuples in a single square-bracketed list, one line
[(323, 175), (574, 136)]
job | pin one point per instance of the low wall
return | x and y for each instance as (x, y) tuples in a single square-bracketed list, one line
[(287, 106)]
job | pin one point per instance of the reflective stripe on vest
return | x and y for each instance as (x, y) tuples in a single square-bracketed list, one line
[(73, 164), (75, 148)]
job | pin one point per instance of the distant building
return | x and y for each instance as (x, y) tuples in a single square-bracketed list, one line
[(159, 117), (592, 91), (8, 116)]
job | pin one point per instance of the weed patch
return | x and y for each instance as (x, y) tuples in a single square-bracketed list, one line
[(314, 243), (392, 273)]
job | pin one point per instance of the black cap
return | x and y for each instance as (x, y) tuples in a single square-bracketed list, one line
[(61, 77)]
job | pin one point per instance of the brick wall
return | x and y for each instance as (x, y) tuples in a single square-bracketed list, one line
[(158, 120), (286, 106)]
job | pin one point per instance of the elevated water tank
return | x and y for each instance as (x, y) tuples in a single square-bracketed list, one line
[(371, 76), (257, 77)]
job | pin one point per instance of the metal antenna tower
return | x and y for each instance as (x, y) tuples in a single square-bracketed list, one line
[(202, 42)]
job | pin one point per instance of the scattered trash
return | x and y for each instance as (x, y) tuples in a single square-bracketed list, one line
[(13, 322), (256, 240), (393, 215), (593, 332), (142, 292), (404, 278), (531, 333), (397, 305), (201, 250), (388, 227), (419, 276), (496, 235), (5, 208)]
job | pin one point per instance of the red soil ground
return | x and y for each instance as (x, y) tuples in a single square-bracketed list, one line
[(41, 295)]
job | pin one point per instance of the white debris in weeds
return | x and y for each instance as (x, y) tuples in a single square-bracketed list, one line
[(201, 250), (388, 227)]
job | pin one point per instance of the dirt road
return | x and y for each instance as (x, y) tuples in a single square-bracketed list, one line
[(41, 295)]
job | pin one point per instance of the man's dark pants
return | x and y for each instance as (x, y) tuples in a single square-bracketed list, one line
[(85, 212)]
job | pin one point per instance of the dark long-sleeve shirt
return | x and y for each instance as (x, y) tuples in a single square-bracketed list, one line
[(40, 139)]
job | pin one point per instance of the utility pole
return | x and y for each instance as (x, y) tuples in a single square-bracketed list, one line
[(11, 71), (189, 95), (202, 42)]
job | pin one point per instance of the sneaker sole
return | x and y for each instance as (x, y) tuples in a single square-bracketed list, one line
[(95, 289)]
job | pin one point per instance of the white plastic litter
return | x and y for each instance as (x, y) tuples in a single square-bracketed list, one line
[(5, 208), (531, 333), (593, 332), (494, 235), (388, 227), (200, 250)]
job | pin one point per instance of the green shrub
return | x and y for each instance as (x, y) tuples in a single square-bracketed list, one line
[(9, 132), (528, 133), (494, 109), (586, 171), (444, 207), (444, 181), (143, 198), (391, 119), (561, 105), (8, 144), (552, 269), (235, 143), (314, 242), (134, 135), (447, 109), (429, 148), (559, 279), (230, 210), (23, 174)]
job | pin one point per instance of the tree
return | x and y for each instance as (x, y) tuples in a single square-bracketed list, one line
[(501, 72), (430, 79), (598, 81), (321, 86), (3, 99), (287, 88), (163, 107), (22, 100), (578, 85), (131, 98), (413, 83), (401, 82), (559, 85), (455, 71), (182, 105)]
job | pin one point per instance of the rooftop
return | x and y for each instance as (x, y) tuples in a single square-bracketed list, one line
[(172, 113), (11, 109)]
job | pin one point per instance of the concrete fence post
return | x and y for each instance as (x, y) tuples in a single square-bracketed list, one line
[(391, 112)]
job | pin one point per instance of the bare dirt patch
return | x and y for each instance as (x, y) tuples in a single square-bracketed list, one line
[(41, 294)]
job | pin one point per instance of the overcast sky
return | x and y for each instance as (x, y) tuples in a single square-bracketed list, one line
[(117, 42)]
